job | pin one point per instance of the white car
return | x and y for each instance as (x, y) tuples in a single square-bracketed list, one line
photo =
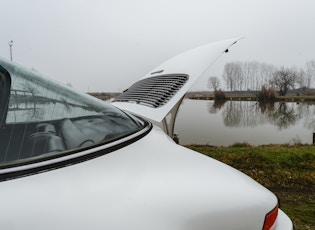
[(70, 161)]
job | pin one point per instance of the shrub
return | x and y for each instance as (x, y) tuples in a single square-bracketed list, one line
[(241, 144), (266, 94), (219, 95)]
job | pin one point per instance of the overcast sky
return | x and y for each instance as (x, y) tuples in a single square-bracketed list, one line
[(102, 45)]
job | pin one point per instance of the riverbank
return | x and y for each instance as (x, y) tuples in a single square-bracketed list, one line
[(247, 96), (104, 96), (286, 170)]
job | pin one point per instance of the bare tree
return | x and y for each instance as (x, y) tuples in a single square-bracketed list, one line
[(214, 83), (301, 79), (232, 75), (227, 76), (239, 76), (257, 74), (310, 72), (283, 79), (266, 72), (247, 75), (252, 72)]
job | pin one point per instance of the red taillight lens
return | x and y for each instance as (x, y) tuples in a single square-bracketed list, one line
[(270, 219)]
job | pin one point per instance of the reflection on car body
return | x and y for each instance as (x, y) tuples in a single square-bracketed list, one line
[(56, 171)]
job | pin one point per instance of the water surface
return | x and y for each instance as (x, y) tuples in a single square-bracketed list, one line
[(206, 122)]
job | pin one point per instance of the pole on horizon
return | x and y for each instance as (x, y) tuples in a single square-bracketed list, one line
[(11, 44)]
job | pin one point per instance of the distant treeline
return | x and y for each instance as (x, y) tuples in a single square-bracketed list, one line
[(247, 76), (104, 96)]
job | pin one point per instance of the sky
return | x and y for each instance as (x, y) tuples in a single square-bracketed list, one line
[(106, 45)]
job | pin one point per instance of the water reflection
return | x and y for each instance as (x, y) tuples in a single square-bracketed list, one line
[(251, 114), (227, 122), (284, 116), (216, 106)]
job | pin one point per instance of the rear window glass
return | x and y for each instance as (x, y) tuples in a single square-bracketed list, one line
[(42, 118)]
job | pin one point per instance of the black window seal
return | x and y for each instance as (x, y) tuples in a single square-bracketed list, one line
[(72, 157), (5, 89)]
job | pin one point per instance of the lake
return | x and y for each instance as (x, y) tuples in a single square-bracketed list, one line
[(207, 122)]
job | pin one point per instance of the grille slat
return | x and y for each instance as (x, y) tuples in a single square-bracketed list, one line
[(153, 92)]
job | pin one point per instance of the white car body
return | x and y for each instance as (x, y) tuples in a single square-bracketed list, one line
[(139, 181)]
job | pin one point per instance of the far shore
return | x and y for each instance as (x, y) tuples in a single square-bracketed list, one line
[(232, 96)]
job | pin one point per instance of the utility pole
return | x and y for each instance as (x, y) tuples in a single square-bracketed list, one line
[(11, 44)]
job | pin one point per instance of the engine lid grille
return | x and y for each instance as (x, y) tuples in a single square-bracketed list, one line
[(154, 91)]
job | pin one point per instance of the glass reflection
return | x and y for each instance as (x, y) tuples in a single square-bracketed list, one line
[(35, 98)]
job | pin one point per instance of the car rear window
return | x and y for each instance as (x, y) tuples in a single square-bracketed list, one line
[(41, 118)]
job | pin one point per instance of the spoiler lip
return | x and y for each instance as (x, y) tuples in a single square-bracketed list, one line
[(192, 63)]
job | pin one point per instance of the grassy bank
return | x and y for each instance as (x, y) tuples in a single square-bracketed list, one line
[(286, 170)]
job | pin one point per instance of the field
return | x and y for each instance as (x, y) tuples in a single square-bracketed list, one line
[(286, 170)]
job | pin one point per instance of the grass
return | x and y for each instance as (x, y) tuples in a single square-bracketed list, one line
[(286, 170)]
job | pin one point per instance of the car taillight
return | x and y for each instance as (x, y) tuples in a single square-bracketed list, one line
[(270, 219)]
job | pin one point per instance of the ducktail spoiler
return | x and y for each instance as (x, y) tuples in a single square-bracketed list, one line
[(161, 91)]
